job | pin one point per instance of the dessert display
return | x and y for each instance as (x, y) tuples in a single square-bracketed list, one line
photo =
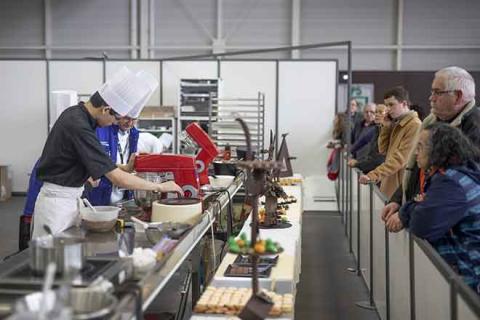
[(280, 215), (230, 301), (244, 246)]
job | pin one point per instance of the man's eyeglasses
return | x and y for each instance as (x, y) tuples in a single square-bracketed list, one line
[(115, 114), (440, 92)]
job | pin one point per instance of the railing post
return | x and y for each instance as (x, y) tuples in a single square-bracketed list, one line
[(349, 212), (387, 272), (371, 243), (453, 299), (412, 276), (359, 271), (370, 304)]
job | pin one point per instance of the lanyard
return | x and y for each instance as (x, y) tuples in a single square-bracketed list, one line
[(123, 152)]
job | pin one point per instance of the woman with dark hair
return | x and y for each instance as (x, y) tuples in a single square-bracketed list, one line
[(447, 211)]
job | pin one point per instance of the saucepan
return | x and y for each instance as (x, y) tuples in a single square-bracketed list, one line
[(67, 253)]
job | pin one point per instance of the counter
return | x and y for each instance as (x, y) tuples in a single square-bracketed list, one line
[(109, 245)]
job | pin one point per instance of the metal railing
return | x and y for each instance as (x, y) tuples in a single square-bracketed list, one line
[(405, 276)]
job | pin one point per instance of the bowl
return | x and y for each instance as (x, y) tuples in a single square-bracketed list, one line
[(221, 181), (144, 199), (102, 220), (228, 168)]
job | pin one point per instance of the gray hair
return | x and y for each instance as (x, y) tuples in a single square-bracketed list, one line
[(458, 79)]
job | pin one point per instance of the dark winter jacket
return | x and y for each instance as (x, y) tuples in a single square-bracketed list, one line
[(373, 158), (449, 218)]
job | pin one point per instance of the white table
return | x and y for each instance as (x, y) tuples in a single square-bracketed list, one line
[(286, 274)]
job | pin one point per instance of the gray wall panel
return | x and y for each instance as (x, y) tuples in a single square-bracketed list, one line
[(434, 59), (21, 22), (442, 22), (104, 22), (361, 59), (253, 24), (265, 22), (173, 25), (362, 21)]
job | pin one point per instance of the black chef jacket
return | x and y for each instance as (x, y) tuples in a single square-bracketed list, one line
[(73, 152)]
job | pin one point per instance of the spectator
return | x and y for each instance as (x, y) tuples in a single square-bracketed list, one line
[(396, 141), (373, 158), (452, 99), (446, 212), (422, 112), (364, 131), (356, 117), (339, 127)]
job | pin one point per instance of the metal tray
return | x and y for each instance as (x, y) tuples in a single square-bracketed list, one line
[(245, 271), (241, 259)]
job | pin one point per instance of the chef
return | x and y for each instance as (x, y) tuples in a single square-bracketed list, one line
[(73, 153)]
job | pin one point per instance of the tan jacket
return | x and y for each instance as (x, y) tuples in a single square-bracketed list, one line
[(396, 142)]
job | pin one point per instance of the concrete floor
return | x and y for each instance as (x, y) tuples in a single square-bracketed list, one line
[(326, 290)]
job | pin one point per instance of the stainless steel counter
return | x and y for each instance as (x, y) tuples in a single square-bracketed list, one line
[(109, 245)]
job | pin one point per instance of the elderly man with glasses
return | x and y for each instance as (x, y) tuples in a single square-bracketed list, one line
[(452, 99)]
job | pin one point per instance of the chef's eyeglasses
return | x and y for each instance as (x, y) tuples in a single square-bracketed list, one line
[(438, 93), (115, 114)]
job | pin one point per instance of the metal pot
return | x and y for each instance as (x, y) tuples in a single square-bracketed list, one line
[(67, 253)]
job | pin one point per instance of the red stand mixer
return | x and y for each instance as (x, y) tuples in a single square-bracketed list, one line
[(187, 171)]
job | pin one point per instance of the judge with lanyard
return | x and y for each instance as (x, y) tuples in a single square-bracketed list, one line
[(73, 152), (120, 142)]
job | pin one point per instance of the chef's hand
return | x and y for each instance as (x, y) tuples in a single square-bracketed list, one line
[(394, 224), (170, 186), (352, 163), (364, 179), (93, 183), (389, 210)]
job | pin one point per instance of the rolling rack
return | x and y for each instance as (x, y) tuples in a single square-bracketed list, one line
[(224, 129), (194, 106)]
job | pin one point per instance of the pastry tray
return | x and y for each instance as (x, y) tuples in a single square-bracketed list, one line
[(245, 270), (245, 260)]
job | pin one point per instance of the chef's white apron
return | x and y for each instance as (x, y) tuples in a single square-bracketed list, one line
[(57, 207)]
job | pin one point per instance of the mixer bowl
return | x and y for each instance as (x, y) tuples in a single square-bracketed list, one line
[(144, 199)]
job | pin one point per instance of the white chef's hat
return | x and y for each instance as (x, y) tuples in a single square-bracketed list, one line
[(126, 90), (152, 84)]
